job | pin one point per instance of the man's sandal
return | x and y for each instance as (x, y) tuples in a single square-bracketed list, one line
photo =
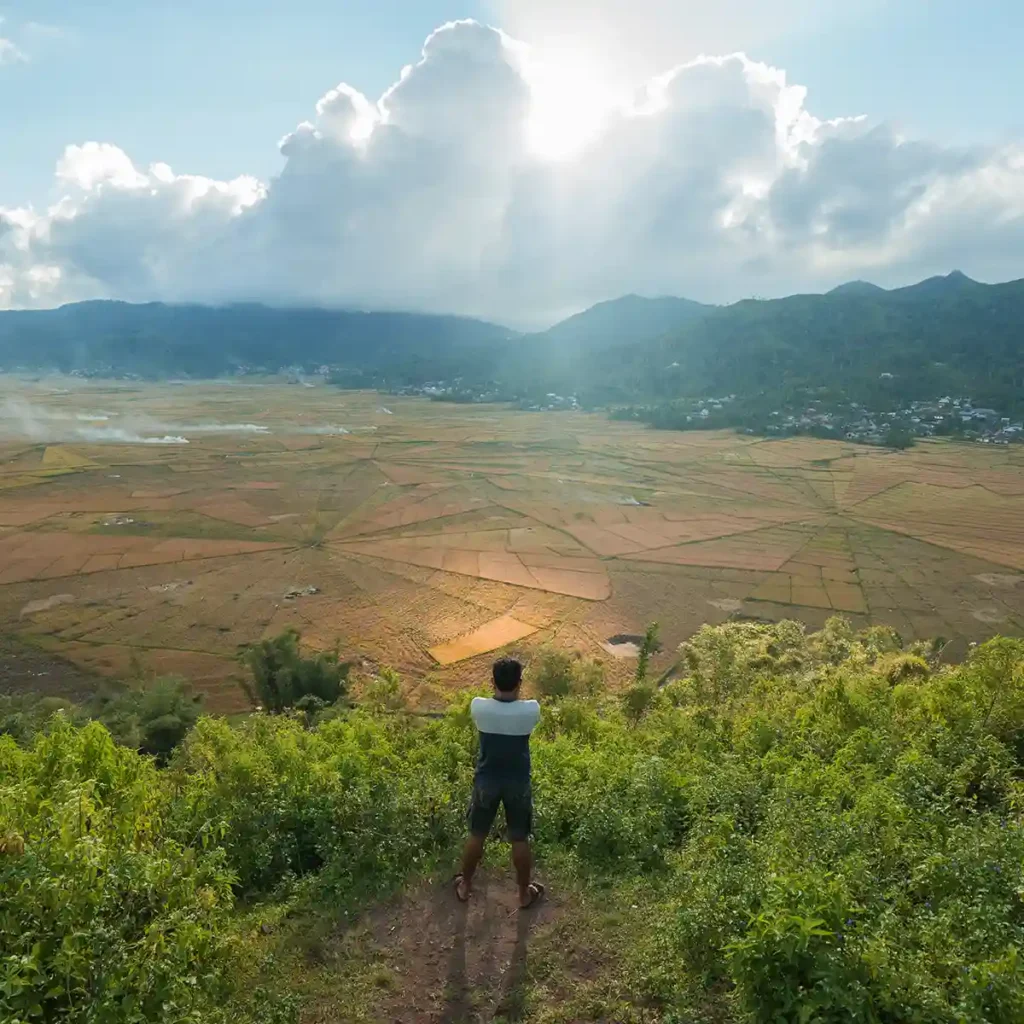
[(536, 891), (457, 883)]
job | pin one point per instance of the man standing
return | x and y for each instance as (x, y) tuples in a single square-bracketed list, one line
[(503, 777)]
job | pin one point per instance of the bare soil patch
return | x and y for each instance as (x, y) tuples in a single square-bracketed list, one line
[(456, 962), (26, 669)]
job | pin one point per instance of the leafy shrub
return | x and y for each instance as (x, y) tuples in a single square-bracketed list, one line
[(383, 692), (153, 717), (637, 700), (365, 797), (23, 716), (282, 676), (648, 646), (824, 830), (104, 916), (551, 673), (555, 674)]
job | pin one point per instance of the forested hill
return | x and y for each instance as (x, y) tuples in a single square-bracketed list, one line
[(156, 340), (946, 335), (629, 320)]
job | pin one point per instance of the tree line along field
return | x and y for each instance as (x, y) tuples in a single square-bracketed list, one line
[(425, 536)]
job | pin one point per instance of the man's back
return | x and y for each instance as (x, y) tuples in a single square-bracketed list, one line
[(505, 727), (503, 779)]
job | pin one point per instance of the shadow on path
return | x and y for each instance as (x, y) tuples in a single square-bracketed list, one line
[(460, 963)]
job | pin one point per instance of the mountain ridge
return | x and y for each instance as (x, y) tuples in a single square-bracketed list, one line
[(946, 334), (643, 317)]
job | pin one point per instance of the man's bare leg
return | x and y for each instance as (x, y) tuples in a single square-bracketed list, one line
[(522, 860), (471, 854)]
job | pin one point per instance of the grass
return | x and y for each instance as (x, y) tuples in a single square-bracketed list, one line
[(188, 525)]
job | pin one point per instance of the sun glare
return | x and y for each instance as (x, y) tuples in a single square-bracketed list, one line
[(570, 103)]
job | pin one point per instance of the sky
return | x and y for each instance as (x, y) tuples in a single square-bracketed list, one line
[(592, 147)]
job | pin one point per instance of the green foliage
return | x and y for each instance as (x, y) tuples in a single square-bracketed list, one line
[(383, 693), (898, 439), (648, 646), (282, 676), (23, 716), (366, 797), (153, 717), (555, 674), (637, 701), (823, 827), (104, 914)]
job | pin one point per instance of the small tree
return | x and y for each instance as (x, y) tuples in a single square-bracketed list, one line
[(557, 674), (281, 676), (552, 673), (650, 645), (898, 439), (637, 700), (154, 717), (383, 692)]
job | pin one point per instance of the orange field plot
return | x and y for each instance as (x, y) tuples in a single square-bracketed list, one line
[(34, 556), (765, 550), (534, 558), (433, 533), (497, 633)]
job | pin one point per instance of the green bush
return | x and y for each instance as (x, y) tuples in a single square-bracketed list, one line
[(648, 646), (367, 797), (153, 717), (282, 677), (104, 916), (23, 716), (554, 674), (826, 827)]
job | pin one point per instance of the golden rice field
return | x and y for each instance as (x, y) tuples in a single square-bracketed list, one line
[(426, 536)]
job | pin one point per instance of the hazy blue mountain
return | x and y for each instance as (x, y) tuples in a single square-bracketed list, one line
[(956, 283), (857, 288), (625, 321), (156, 339), (946, 335)]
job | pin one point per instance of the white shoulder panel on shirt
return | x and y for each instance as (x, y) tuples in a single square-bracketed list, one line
[(505, 717)]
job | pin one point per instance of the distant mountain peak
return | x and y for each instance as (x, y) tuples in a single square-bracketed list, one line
[(941, 284), (626, 320), (857, 288)]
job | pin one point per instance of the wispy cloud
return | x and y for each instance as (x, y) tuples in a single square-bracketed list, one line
[(41, 28), (10, 52)]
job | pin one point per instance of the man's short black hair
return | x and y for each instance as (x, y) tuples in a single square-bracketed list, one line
[(508, 674)]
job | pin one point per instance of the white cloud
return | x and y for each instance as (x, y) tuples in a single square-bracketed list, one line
[(451, 194), (11, 54), (630, 41)]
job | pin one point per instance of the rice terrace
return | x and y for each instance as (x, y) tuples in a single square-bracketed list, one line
[(165, 525)]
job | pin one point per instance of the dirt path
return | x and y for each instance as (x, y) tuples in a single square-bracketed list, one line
[(457, 963)]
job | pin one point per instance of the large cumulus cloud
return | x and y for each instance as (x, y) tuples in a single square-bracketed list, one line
[(714, 182)]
